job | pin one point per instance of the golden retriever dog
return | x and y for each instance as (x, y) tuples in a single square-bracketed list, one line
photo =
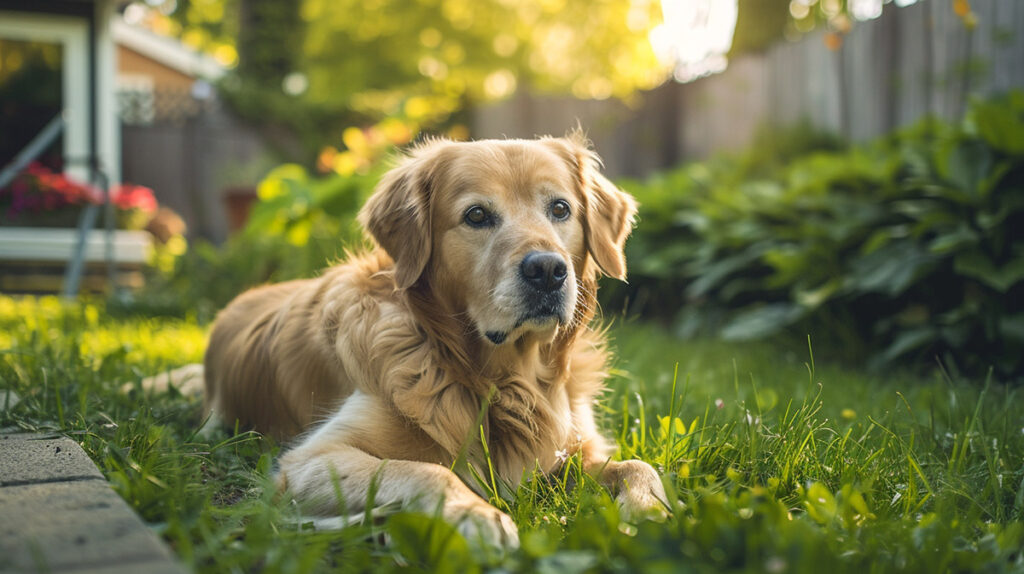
[(473, 312)]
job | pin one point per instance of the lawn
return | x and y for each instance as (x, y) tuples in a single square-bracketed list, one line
[(775, 462)]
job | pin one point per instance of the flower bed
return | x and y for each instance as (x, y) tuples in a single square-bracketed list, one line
[(39, 213), (40, 197)]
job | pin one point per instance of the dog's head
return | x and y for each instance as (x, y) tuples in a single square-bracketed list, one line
[(503, 233)]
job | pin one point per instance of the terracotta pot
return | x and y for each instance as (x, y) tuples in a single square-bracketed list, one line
[(238, 201)]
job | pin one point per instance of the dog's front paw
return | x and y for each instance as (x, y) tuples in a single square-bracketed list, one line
[(640, 493), (481, 523)]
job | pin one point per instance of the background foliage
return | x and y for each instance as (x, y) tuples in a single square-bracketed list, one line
[(903, 249), (321, 66), (311, 68), (299, 225)]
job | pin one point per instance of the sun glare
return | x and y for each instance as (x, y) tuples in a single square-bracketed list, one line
[(695, 36)]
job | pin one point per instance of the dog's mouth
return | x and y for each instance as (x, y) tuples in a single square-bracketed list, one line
[(524, 309), (540, 319)]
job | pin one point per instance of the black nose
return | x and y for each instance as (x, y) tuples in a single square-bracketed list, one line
[(543, 270)]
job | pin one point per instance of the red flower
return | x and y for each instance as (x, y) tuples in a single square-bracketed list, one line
[(128, 196), (38, 191)]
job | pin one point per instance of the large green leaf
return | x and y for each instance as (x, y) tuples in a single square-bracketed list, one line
[(905, 342), (955, 240), (812, 298), (967, 165), (762, 321), (430, 543), (1000, 122), (713, 275), (1012, 327), (977, 265), (890, 269)]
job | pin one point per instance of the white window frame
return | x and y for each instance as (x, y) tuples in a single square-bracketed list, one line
[(73, 35)]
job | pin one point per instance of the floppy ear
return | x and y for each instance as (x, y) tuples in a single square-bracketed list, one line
[(397, 215), (609, 212)]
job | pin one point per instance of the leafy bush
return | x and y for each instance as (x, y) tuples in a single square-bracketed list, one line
[(299, 225), (902, 249)]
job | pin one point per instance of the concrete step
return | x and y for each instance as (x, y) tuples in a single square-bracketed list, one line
[(59, 514)]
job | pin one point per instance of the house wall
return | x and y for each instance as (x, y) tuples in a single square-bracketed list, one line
[(194, 161), (131, 63)]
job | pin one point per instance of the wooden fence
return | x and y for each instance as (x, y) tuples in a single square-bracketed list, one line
[(910, 62)]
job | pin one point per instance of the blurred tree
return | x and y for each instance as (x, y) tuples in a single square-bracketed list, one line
[(760, 24), (208, 25), (319, 66), (426, 59), (269, 40)]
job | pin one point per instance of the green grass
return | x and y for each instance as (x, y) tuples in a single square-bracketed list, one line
[(774, 463)]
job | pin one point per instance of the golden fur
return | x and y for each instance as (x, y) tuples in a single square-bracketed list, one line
[(389, 351)]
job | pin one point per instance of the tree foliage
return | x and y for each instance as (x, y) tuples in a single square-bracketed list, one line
[(319, 66)]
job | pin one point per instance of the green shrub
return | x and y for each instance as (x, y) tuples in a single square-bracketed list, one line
[(299, 225), (906, 248)]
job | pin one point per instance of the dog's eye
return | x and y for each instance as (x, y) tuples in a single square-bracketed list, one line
[(560, 210), (477, 216)]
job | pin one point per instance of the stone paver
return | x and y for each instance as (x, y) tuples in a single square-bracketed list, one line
[(58, 514), (29, 459)]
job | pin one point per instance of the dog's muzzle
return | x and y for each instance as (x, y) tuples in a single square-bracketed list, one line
[(544, 274)]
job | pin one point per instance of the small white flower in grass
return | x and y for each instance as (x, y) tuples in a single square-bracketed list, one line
[(719, 404), (562, 455)]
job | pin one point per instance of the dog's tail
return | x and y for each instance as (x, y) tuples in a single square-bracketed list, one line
[(188, 380)]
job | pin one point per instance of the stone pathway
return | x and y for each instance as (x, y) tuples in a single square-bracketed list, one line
[(58, 514)]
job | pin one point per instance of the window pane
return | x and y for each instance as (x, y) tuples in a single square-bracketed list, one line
[(30, 96)]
